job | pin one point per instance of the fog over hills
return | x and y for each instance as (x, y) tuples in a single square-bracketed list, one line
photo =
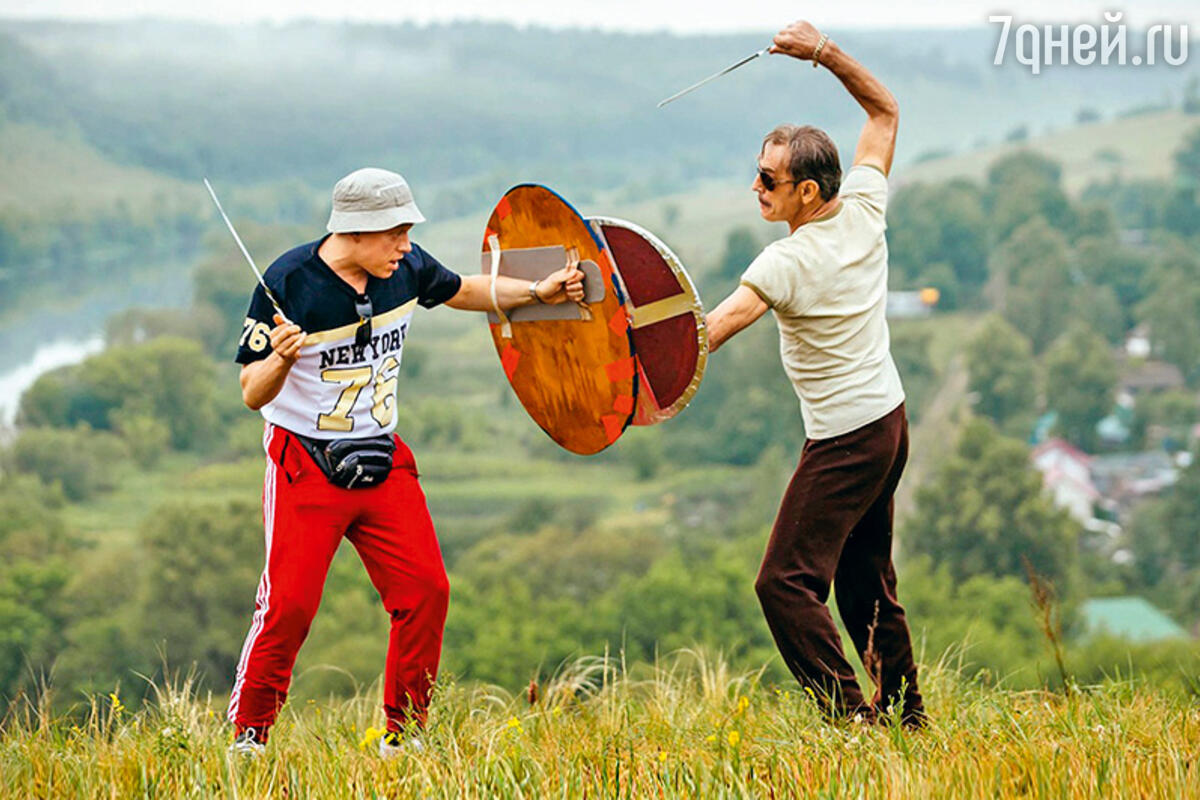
[(472, 108)]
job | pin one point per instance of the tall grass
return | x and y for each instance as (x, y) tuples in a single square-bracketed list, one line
[(686, 727)]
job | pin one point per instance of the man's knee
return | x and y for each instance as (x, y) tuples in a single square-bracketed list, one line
[(779, 588), (293, 613), (768, 586), (437, 589), (425, 594)]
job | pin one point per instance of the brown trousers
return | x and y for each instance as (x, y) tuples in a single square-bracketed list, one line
[(835, 526)]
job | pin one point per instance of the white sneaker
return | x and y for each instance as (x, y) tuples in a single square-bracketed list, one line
[(249, 743), (393, 743)]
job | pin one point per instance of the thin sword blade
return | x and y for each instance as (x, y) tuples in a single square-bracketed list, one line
[(714, 76), (245, 252)]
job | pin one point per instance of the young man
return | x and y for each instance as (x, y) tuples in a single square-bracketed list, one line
[(827, 285), (325, 380)]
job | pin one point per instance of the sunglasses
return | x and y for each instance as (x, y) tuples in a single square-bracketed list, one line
[(769, 181), (364, 309)]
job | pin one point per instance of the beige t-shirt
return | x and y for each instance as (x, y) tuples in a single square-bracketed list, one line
[(827, 284)]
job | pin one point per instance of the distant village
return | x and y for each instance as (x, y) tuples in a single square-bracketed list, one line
[(1100, 491)]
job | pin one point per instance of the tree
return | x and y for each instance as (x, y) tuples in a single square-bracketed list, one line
[(1187, 157), (910, 351), (34, 550), (1081, 377), (984, 512), (1000, 370), (939, 224), (1182, 211), (167, 379), (744, 406), (1035, 264), (986, 619), (198, 569), (80, 461), (741, 247), (1023, 186), (1099, 306), (1172, 309), (1165, 539), (1106, 263)]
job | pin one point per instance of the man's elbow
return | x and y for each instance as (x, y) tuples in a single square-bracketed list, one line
[(250, 398), (890, 109)]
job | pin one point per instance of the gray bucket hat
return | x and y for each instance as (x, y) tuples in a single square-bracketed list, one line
[(372, 199)]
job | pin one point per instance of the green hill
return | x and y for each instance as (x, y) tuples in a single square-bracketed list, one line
[(57, 177), (1127, 148)]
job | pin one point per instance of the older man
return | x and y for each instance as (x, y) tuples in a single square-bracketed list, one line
[(827, 285), (325, 380)]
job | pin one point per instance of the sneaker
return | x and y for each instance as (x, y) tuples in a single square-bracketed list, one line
[(393, 743), (250, 742)]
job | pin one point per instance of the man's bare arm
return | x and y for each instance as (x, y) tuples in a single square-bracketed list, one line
[(475, 294), (877, 142), (262, 380), (738, 311)]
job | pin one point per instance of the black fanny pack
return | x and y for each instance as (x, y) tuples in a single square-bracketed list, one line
[(352, 463)]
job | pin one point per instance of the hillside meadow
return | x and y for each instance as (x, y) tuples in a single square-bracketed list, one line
[(687, 726)]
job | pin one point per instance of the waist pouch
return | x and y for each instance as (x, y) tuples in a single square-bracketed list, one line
[(352, 463)]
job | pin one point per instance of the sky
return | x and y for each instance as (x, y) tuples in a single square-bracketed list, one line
[(681, 16)]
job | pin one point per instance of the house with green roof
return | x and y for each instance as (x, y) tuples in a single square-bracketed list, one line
[(1132, 618)]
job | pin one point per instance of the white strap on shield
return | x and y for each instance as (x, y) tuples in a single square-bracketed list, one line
[(505, 325)]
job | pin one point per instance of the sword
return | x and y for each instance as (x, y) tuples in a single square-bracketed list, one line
[(245, 252), (728, 69)]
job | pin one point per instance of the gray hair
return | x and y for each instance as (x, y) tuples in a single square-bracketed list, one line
[(812, 156)]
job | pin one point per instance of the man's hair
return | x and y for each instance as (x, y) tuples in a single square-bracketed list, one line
[(812, 156)]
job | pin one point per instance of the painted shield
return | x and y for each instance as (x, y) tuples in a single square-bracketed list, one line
[(571, 365), (670, 338)]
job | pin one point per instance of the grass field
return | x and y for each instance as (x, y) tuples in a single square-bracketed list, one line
[(687, 727)]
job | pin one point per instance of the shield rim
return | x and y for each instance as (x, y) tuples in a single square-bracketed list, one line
[(596, 223)]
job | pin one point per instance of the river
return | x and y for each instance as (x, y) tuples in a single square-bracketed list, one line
[(45, 335)]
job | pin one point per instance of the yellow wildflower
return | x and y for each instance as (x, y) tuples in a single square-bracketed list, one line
[(117, 705), (514, 724), (734, 738), (370, 736), (742, 704), (711, 738), (662, 756)]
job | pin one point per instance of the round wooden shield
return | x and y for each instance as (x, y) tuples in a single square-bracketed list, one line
[(670, 338), (571, 365)]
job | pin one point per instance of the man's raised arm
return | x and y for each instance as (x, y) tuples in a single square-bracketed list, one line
[(877, 142)]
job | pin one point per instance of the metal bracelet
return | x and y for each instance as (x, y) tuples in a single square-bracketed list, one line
[(817, 51), (533, 292)]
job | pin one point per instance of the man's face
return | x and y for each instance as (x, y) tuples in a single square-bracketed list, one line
[(380, 252), (788, 198)]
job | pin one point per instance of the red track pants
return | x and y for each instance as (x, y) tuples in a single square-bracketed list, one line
[(305, 518)]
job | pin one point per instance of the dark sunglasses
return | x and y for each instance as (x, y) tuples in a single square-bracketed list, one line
[(364, 309), (769, 182)]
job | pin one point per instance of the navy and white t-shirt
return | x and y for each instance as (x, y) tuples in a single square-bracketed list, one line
[(336, 390)]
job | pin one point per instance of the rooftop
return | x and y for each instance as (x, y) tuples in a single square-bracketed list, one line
[(1132, 618)]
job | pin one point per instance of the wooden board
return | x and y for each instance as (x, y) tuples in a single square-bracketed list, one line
[(577, 379), (670, 338)]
